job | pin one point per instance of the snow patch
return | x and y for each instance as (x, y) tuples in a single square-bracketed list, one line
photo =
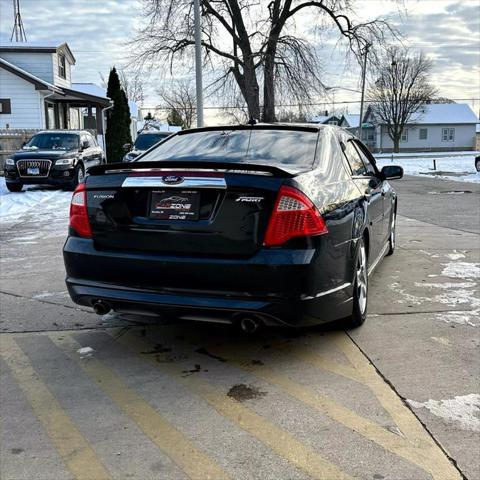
[(455, 255), (457, 168), (470, 318), (34, 200), (85, 351), (461, 270), (463, 410)]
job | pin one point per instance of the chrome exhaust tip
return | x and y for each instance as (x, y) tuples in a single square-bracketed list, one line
[(250, 325), (101, 308)]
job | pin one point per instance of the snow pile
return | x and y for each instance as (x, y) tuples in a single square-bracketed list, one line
[(464, 410), (459, 168), (33, 201)]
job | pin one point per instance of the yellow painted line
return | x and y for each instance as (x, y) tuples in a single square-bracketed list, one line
[(440, 466), (277, 439), (181, 450), (391, 402), (301, 352), (75, 451), (422, 451)]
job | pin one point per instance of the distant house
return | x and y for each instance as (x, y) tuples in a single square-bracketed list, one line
[(36, 90), (37, 93), (351, 121), (326, 119), (437, 127)]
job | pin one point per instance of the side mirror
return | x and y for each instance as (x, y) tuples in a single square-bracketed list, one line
[(127, 147), (85, 145), (392, 172)]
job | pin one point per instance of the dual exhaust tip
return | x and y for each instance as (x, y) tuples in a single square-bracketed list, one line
[(248, 324), (101, 308)]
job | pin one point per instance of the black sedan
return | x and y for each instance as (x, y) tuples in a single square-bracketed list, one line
[(53, 157), (250, 225)]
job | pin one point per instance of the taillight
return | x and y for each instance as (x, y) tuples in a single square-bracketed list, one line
[(78, 212), (294, 215)]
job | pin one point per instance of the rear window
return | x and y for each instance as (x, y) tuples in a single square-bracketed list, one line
[(147, 140), (270, 146)]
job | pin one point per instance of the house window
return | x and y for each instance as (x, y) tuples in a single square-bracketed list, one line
[(62, 68), (448, 134), (423, 134), (333, 122), (404, 137), (5, 106)]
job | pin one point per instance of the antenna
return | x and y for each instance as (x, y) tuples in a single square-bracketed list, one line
[(18, 30)]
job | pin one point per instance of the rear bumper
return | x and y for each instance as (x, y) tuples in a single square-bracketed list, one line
[(153, 283)]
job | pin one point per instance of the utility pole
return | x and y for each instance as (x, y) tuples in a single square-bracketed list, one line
[(198, 62), (364, 73), (18, 30)]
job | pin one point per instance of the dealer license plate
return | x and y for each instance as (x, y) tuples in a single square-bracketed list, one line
[(175, 205)]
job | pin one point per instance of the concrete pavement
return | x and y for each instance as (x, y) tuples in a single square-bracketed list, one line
[(394, 399)]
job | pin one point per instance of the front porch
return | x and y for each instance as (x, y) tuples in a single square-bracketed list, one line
[(76, 110)]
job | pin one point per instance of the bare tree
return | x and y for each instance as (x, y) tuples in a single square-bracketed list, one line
[(178, 98), (132, 82), (252, 45), (400, 90)]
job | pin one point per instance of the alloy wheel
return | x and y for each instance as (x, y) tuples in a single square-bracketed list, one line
[(361, 279), (80, 175), (392, 233)]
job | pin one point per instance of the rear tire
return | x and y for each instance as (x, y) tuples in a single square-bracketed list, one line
[(14, 187), (360, 288), (477, 164), (78, 176), (391, 239)]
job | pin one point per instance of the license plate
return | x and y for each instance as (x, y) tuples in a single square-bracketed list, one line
[(33, 171), (175, 205)]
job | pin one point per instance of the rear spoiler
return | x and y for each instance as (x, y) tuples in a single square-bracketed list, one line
[(227, 167)]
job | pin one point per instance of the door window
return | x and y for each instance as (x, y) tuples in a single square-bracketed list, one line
[(354, 159), (365, 159)]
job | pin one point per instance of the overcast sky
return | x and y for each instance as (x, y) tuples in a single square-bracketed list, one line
[(97, 32)]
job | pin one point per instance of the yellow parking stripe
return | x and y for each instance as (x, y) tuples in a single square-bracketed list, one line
[(391, 402), (73, 448), (302, 353), (420, 450), (182, 451), (280, 441)]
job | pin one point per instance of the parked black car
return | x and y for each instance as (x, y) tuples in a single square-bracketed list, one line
[(53, 157), (264, 224), (143, 142)]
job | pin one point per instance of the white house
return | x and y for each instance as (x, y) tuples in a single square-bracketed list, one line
[(437, 127), (37, 93)]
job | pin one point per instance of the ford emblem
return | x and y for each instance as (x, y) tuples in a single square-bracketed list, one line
[(172, 180)]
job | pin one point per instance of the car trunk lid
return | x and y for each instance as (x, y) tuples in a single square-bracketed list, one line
[(184, 209)]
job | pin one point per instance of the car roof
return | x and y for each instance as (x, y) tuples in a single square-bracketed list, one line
[(77, 132), (150, 132), (308, 127)]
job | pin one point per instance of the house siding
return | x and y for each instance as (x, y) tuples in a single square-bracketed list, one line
[(58, 80), (38, 64), (26, 102), (464, 138)]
